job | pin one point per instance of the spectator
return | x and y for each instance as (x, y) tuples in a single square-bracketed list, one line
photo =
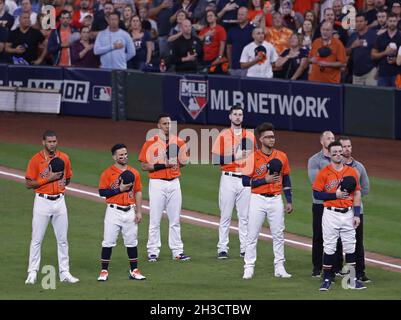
[(143, 45), (155, 48), (359, 47), (127, 15), (162, 10), (214, 39), (227, 11), (291, 19), (303, 6), (379, 5), (176, 31), (26, 7), (186, 50), (324, 4), (396, 10), (310, 16), (79, 15), (187, 5), (259, 57), (61, 39), (238, 37), (385, 51), (6, 19), (338, 30), (99, 5), (22, 43), (100, 21), (3, 40), (255, 13), (82, 55), (48, 59), (147, 24), (381, 26), (337, 9), (11, 6), (87, 21), (293, 62), (370, 12), (307, 32), (278, 35), (114, 45), (327, 56), (200, 10)]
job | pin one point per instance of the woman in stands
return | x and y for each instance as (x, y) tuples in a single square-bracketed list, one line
[(143, 45)]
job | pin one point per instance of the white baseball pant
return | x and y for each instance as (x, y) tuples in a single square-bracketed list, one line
[(117, 220), (165, 195), (335, 225), (232, 192), (45, 210), (260, 208)]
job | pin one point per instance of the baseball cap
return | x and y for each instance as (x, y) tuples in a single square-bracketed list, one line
[(127, 177), (348, 184), (274, 166), (57, 165)]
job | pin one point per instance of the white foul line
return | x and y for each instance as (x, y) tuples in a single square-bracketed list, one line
[(264, 235)]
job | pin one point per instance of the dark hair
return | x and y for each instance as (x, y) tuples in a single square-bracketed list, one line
[(162, 115), (343, 138), (381, 11), (65, 12), (116, 147), (48, 133), (265, 126), (114, 13), (334, 144), (108, 2), (391, 15), (361, 14), (236, 107)]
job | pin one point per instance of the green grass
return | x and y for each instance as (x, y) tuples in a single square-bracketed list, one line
[(204, 277), (200, 185)]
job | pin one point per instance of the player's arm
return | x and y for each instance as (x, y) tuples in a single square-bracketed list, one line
[(145, 166), (357, 208), (109, 192), (287, 188), (34, 184), (138, 202)]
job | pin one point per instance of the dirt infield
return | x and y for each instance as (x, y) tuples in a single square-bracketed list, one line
[(380, 156)]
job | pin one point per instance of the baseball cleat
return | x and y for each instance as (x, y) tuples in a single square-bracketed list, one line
[(280, 272), (316, 274), (358, 285), (103, 276), (364, 279), (248, 273), (242, 255), (32, 277), (136, 275), (222, 255), (153, 258), (182, 257), (325, 286), (67, 277)]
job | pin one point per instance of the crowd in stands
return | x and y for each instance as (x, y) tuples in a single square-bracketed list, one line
[(313, 40)]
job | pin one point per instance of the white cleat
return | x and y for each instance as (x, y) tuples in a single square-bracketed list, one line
[(248, 273), (32, 277), (67, 277), (103, 276), (136, 275), (280, 272)]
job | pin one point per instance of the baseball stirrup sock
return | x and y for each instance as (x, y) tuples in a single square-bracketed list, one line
[(328, 260), (133, 257), (106, 255)]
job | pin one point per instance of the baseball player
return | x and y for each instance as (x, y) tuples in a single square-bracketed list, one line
[(269, 176), (231, 146), (162, 156), (48, 173), (121, 185), (315, 163), (365, 186), (337, 185)]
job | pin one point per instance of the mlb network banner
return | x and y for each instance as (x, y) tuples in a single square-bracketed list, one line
[(85, 92), (288, 105)]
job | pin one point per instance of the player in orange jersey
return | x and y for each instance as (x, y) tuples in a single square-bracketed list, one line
[(269, 176), (338, 186), (48, 173), (122, 187)]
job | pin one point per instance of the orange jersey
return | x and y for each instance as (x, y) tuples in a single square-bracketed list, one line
[(227, 144), (109, 180), (328, 179), (259, 171), (38, 169), (154, 151)]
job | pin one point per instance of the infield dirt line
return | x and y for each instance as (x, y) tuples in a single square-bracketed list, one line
[(197, 218)]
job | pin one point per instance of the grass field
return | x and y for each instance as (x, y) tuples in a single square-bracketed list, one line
[(200, 191), (204, 277)]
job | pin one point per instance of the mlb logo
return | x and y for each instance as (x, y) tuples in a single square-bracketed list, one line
[(100, 93), (193, 96)]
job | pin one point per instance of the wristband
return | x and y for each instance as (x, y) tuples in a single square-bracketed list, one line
[(357, 211)]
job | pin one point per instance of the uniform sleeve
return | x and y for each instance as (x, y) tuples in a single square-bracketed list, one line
[(138, 183), (142, 154), (358, 185), (104, 181), (32, 171), (68, 169), (319, 183), (183, 152), (286, 166)]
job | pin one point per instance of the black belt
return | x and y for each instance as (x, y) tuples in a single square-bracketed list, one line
[(267, 195), (169, 179), (342, 210), (51, 198), (125, 209), (233, 175)]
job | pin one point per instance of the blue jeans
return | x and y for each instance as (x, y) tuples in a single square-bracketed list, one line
[(386, 81)]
